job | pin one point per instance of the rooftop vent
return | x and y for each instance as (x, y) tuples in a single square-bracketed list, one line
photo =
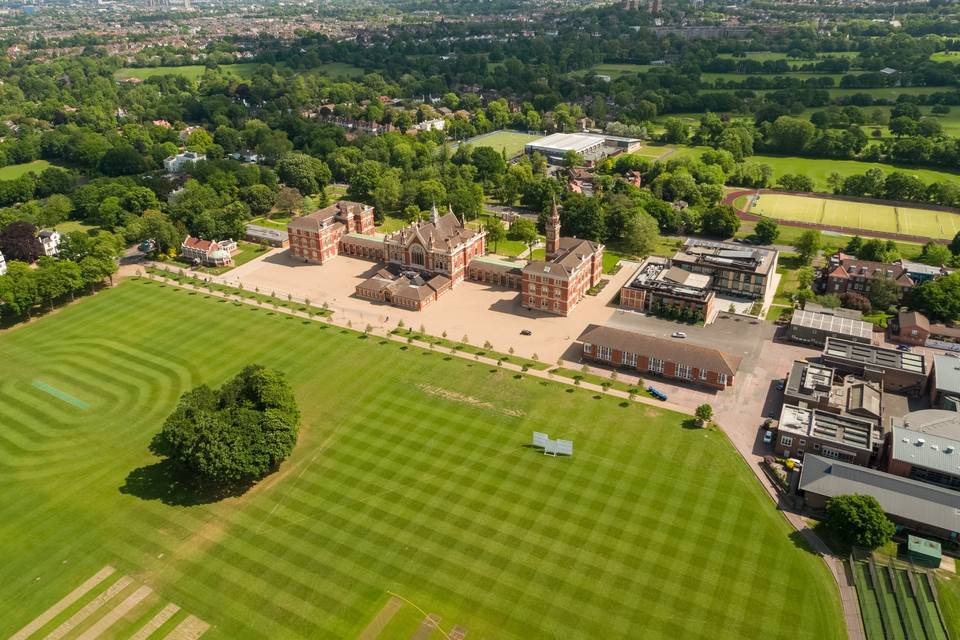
[(948, 449), (920, 442), (905, 440)]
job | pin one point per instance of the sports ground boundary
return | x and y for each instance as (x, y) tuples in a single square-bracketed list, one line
[(745, 214), (849, 604)]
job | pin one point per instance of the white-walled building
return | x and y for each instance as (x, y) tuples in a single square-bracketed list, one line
[(49, 242), (177, 163)]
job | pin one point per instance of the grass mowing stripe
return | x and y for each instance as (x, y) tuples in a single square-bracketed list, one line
[(391, 488)]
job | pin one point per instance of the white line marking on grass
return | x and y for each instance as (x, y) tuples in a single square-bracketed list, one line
[(425, 614), (299, 475), (190, 629), (156, 622), (90, 608), (61, 606), (115, 614)]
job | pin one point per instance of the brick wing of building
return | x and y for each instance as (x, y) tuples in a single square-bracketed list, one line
[(317, 237), (666, 357), (572, 267), (442, 246), (845, 273)]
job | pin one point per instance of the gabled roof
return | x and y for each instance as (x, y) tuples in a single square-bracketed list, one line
[(913, 319), (200, 245), (446, 232), (899, 497), (666, 349)]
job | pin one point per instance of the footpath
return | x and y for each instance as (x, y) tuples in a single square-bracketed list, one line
[(836, 565)]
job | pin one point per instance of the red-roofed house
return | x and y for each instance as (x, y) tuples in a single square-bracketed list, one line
[(845, 273), (208, 252)]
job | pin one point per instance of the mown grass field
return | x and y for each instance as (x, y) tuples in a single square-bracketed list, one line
[(511, 142), (14, 171), (410, 476), (859, 215), (242, 70)]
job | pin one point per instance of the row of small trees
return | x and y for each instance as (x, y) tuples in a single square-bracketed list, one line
[(24, 288)]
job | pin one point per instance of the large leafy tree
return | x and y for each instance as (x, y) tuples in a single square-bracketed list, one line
[(18, 241), (720, 221), (859, 520), (808, 245), (939, 299), (236, 434)]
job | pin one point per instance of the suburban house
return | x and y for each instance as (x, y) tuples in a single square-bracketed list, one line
[(945, 383), (572, 267), (3, 265), (912, 327), (666, 357), (181, 161), (899, 371), (266, 235), (736, 270), (211, 253), (845, 273), (316, 237), (658, 288), (921, 507), (49, 242), (925, 446), (839, 436), (814, 325)]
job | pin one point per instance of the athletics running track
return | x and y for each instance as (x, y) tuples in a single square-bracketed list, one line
[(745, 214)]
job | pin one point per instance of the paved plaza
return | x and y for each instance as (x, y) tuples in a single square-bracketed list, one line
[(481, 312)]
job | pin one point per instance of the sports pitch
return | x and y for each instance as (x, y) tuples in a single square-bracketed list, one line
[(938, 225), (511, 142), (410, 493)]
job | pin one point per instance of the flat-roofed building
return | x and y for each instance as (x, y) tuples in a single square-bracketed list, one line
[(737, 270), (921, 507), (814, 327), (899, 371), (837, 436), (925, 445), (812, 385), (659, 288), (666, 357), (589, 145), (266, 235), (945, 383)]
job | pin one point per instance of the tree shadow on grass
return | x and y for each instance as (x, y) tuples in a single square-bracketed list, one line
[(171, 484)]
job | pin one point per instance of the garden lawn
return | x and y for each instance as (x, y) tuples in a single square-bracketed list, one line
[(411, 475), (242, 70), (14, 171)]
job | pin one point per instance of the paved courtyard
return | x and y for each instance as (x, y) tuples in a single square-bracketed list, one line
[(479, 311)]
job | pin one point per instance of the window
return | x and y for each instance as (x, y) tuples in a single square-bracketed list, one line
[(630, 359), (703, 374), (786, 441), (816, 446), (684, 371), (722, 378), (603, 353), (656, 365), (803, 443)]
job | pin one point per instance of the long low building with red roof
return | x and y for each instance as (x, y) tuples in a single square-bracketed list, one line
[(665, 357)]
